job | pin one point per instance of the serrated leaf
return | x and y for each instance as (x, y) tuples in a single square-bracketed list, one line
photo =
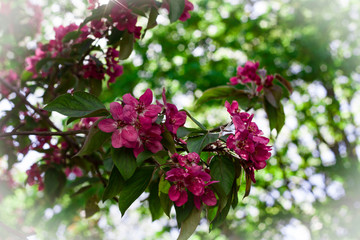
[(115, 184), (126, 45), (223, 170), (196, 144), (220, 218), (125, 161), (176, 9), (80, 104), (134, 187), (190, 224)]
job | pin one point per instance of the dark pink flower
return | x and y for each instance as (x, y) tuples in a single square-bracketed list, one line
[(251, 74), (174, 118), (187, 175), (124, 19), (34, 177), (247, 141), (75, 170), (186, 15), (124, 134)]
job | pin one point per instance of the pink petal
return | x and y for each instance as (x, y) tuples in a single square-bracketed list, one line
[(116, 110), (209, 198), (129, 133), (116, 139), (182, 199), (130, 100), (174, 193), (147, 97), (197, 202), (154, 147), (108, 125)]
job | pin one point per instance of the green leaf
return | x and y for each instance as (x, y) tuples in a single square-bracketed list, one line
[(82, 48), (143, 156), (223, 170), (194, 120), (71, 36), (154, 202), (248, 185), (168, 141), (126, 45), (94, 140), (91, 206), (164, 185), (211, 213), (26, 75), (165, 203), (284, 82), (184, 211), (183, 131), (125, 161), (114, 186), (95, 86), (196, 144), (134, 187), (54, 183), (115, 36), (176, 9), (190, 224), (221, 92), (152, 18), (220, 218), (80, 104), (276, 115)]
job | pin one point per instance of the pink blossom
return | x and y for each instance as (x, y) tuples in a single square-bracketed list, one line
[(247, 141), (186, 15), (124, 134), (174, 118), (114, 70), (34, 177), (188, 175), (124, 19), (251, 74), (133, 124)]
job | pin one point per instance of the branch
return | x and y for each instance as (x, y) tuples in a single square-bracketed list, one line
[(42, 133)]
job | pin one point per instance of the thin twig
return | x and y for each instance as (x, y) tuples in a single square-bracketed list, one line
[(42, 133)]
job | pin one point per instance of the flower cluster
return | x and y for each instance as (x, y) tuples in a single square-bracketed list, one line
[(174, 118), (187, 174), (55, 48), (247, 141), (124, 19), (133, 124), (34, 176), (251, 74)]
